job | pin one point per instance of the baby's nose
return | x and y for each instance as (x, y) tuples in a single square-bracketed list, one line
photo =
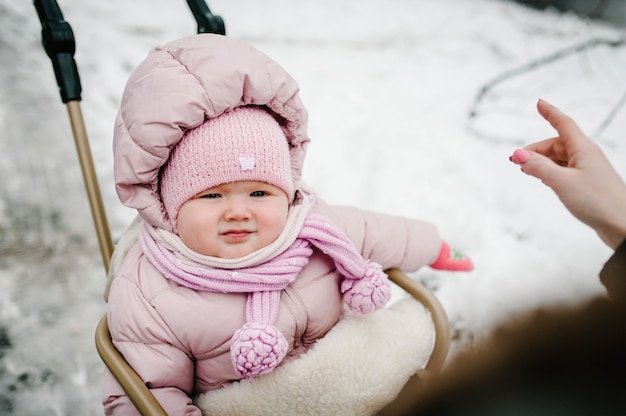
[(237, 209)]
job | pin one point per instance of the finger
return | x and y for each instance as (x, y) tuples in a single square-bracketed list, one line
[(562, 123), (553, 148), (543, 168)]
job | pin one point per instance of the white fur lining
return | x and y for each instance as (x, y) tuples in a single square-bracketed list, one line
[(356, 369)]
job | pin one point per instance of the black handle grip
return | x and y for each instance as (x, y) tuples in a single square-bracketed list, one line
[(58, 42), (207, 21)]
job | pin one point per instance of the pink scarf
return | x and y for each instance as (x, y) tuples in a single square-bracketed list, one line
[(258, 347)]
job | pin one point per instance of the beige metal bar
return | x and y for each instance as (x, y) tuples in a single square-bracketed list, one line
[(438, 314), (91, 181), (414, 386), (131, 383)]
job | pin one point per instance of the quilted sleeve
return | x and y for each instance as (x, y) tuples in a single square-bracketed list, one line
[(391, 241)]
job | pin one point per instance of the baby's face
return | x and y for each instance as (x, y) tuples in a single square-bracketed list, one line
[(234, 219)]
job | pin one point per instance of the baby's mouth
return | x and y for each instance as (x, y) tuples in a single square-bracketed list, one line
[(236, 235)]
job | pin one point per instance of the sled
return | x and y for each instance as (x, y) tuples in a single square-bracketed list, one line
[(58, 42)]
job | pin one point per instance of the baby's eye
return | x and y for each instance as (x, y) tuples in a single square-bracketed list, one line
[(210, 196), (258, 193)]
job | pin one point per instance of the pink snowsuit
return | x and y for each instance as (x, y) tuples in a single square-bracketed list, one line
[(178, 339)]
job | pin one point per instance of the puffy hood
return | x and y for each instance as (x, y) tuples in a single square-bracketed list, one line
[(175, 89)]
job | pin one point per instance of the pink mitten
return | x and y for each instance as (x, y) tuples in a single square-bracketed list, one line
[(453, 260)]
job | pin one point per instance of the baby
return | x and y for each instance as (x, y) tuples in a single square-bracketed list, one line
[(236, 268)]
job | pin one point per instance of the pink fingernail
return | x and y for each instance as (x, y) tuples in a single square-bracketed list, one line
[(521, 155)]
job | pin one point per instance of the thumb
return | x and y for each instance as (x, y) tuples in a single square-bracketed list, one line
[(538, 165)]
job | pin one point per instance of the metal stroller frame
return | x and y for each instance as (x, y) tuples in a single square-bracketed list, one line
[(58, 42)]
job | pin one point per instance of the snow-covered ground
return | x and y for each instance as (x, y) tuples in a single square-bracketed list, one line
[(414, 105)]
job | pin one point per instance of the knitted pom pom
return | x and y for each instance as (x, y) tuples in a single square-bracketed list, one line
[(257, 349), (368, 293)]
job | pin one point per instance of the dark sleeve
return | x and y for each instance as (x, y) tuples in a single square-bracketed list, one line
[(613, 274)]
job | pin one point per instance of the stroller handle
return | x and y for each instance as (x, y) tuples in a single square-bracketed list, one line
[(58, 41), (207, 21)]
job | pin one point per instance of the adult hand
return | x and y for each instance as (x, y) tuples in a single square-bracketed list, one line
[(579, 173)]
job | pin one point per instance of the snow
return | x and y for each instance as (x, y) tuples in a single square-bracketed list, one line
[(398, 125)]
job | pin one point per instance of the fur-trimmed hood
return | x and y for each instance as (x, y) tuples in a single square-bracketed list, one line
[(175, 89)]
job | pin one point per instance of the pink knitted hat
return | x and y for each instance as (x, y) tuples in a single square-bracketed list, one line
[(245, 144)]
